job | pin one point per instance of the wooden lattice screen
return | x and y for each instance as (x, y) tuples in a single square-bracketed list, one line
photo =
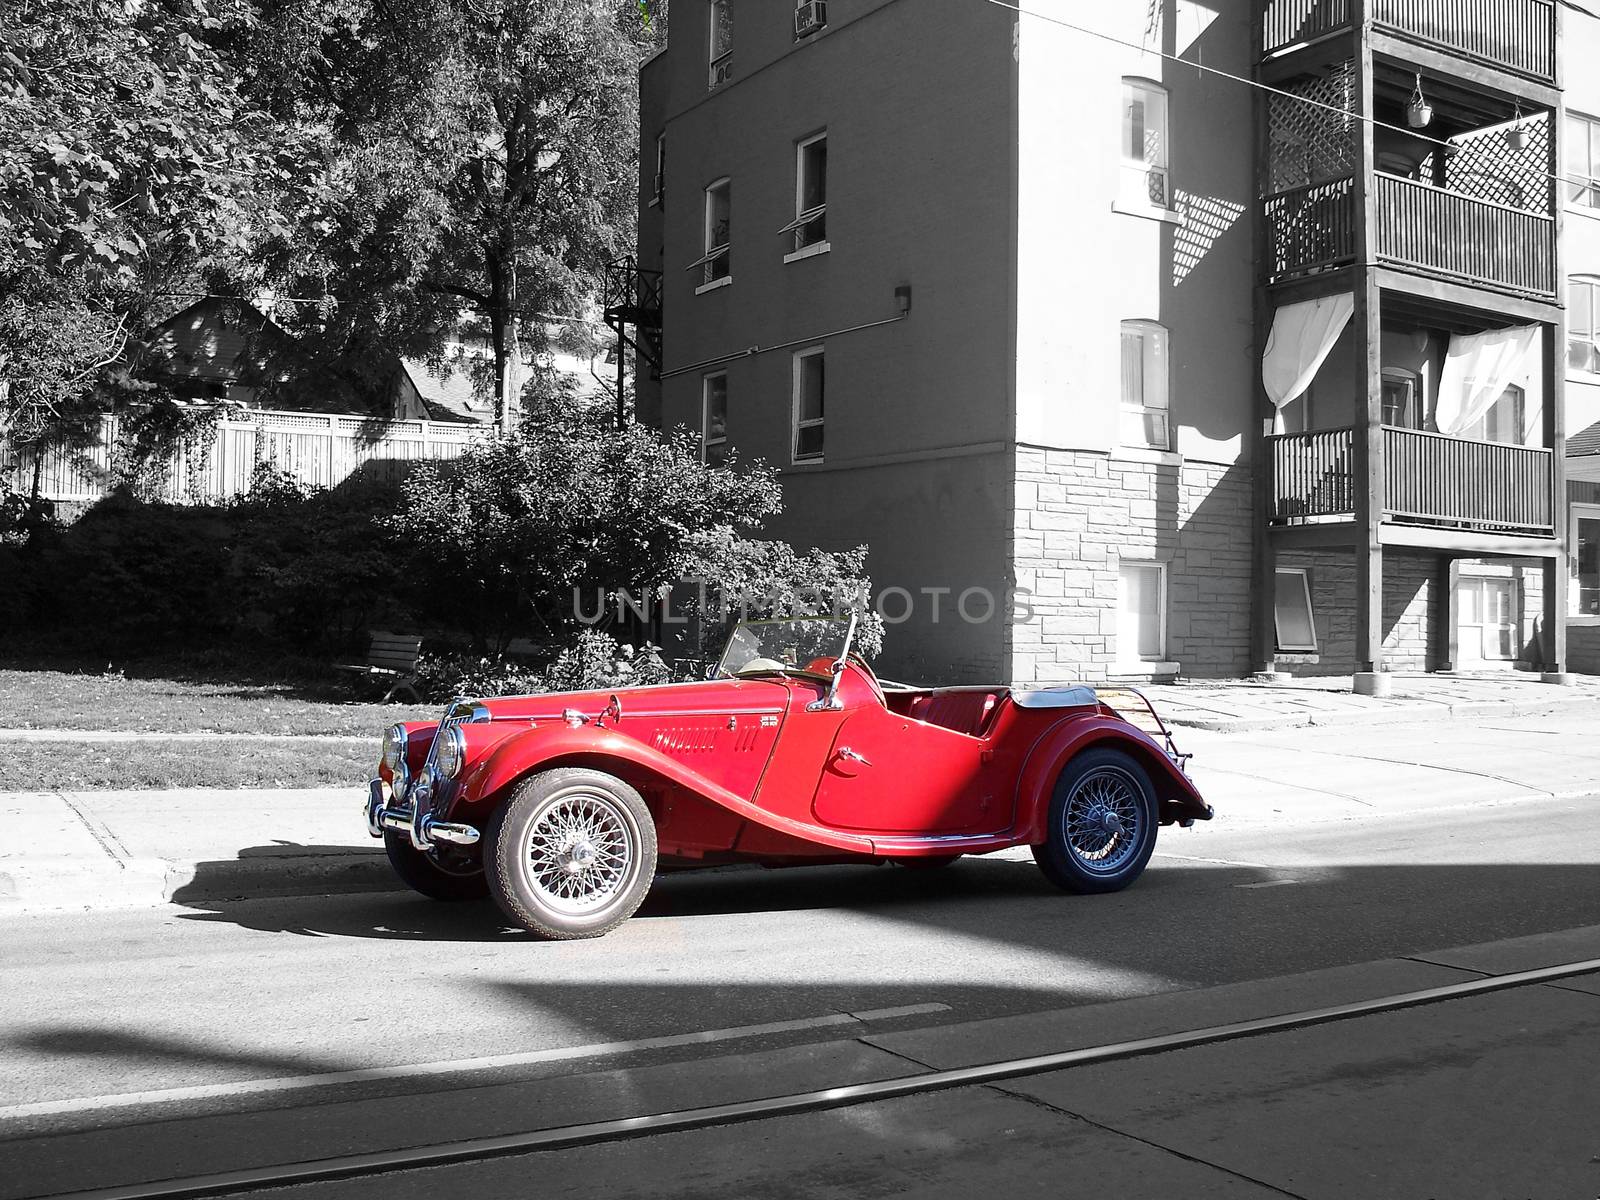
[(1310, 142), (1485, 165)]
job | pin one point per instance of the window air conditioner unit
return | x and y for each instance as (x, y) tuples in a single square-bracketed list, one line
[(660, 187), (810, 17)]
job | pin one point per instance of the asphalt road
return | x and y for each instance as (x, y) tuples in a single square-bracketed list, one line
[(136, 1043)]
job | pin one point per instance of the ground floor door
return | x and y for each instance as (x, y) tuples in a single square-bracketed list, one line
[(1486, 628)]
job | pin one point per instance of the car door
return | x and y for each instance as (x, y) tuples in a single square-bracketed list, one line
[(886, 773)]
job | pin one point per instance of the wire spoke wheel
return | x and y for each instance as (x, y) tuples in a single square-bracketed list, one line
[(1103, 821), (581, 850), (571, 853)]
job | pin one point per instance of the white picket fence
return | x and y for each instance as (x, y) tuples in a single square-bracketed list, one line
[(319, 450)]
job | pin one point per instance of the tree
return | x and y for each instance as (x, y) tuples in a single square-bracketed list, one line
[(483, 163), (130, 163)]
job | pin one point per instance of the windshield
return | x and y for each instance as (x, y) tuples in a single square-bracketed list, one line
[(784, 645)]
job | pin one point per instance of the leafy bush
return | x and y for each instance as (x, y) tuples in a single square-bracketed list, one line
[(318, 568), (592, 661), (749, 578), (507, 535), (130, 574), (596, 660), (442, 677)]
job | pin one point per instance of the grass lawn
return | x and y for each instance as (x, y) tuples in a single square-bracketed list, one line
[(95, 766), (46, 699)]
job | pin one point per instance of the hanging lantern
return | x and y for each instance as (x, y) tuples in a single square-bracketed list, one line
[(1419, 112)]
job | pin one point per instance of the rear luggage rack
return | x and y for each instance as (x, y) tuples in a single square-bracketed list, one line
[(1153, 725)]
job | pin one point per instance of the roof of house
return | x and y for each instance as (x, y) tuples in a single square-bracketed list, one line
[(450, 396), (214, 339), (1584, 442)]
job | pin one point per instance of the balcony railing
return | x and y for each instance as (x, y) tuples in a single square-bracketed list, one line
[(1428, 479), (1291, 22), (1488, 485), (1478, 241), (1313, 475), (1419, 227), (1513, 35), (1313, 227)]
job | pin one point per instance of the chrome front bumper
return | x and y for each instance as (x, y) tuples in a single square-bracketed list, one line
[(425, 832)]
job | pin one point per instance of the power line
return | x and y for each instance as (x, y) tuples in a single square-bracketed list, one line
[(1267, 87)]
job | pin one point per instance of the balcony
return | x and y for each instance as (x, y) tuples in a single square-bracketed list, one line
[(1419, 227), (1511, 35), (1429, 479)]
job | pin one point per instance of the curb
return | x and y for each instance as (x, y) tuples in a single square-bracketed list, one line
[(58, 884), (1414, 712)]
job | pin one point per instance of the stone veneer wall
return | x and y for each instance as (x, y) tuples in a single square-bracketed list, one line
[(1409, 623), (1079, 513), (1414, 637)]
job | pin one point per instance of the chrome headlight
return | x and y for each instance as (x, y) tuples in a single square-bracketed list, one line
[(451, 752), (394, 748)]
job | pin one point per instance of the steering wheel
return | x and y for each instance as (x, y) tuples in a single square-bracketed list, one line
[(761, 666)]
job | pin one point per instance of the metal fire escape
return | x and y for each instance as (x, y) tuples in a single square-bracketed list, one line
[(633, 309)]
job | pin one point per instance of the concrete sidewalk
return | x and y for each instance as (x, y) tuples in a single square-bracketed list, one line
[(1244, 705), (126, 848)]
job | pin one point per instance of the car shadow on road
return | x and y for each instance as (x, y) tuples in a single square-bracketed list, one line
[(1271, 920)]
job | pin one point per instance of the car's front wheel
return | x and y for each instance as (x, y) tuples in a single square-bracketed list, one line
[(571, 853), (1102, 827), (448, 874)]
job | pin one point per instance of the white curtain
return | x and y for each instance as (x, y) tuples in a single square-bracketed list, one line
[(1302, 335), (1478, 368)]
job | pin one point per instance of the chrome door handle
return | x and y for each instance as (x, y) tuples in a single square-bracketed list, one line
[(853, 756)]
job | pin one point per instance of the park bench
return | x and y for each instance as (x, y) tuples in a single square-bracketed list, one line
[(391, 660)]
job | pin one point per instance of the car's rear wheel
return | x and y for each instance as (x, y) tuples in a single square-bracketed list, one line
[(447, 874), (1102, 827), (571, 853)]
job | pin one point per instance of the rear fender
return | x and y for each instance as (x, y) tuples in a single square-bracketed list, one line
[(1176, 797), (545, 748)]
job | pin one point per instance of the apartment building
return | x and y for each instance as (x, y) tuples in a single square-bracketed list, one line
[(1163, 338)]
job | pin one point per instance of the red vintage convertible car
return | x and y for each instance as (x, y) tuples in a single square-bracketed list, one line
[(562, 806)]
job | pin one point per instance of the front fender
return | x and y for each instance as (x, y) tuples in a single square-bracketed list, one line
[(1176, 797), (609, 750)]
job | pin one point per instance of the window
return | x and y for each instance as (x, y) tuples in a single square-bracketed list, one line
[(1402, 399), (1583, 161), (810, 224), (1586, 560), (1504, 420), (1144, 385), (1583, 324), (808, 391), (1298, 415), (721, 69), (1142, 612), (714, 419), (1297, 630), (1144, 142), (716, 263), (659, 192)]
